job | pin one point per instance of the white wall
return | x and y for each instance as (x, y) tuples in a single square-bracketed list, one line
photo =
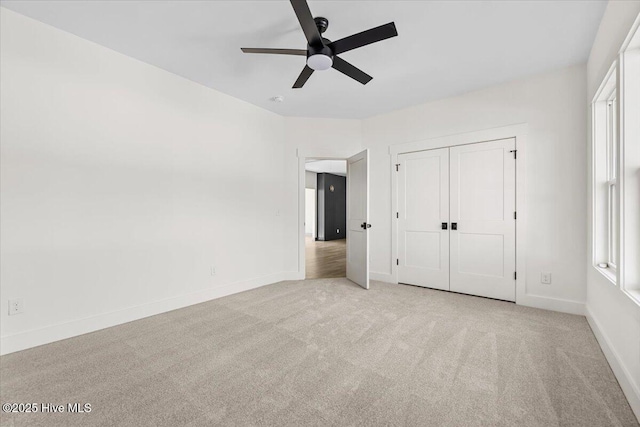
[(613, 316), (121, 186), (311, 180), (310, 211), (553, 106), (311, 183)]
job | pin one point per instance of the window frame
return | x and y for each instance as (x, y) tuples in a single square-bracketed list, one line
[(605, 198), (613, 205)]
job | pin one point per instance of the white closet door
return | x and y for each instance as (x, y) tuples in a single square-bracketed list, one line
[(482, 206), (423, 207)]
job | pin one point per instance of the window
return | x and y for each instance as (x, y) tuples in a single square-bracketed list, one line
[(606, 200), (626, 169), (615, 170)]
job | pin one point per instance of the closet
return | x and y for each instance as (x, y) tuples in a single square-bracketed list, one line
[(457, 219)]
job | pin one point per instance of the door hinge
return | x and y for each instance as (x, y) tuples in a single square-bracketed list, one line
[(397, 167), (397, 214), (515, 275), (397, 261), (515, 215), (515, 153)]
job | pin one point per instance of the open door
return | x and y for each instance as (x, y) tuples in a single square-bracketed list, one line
[(358, 219)]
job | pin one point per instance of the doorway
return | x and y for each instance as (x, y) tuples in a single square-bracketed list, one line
[(325, 218), (357, 209)]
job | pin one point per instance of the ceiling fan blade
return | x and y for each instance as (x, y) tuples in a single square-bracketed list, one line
[(303, 77), (349, 70), (364, 38), (301, 8), (300, 52)]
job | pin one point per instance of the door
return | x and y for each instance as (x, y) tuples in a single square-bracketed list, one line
[(358, 219), (423, 217), (482, 236)]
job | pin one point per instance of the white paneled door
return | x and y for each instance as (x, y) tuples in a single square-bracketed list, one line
[(423, 217), (483, 229), (358, 219), (456, 219)]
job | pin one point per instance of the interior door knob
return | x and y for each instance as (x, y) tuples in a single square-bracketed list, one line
[(444, 225), (454, 225), (365, 225)]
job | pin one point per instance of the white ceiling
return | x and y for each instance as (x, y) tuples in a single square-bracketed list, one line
[(336, 167), (444, 48)]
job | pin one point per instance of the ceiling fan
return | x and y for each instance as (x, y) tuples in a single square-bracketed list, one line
[(322, 53)]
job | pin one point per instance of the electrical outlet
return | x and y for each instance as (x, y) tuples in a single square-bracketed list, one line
[(16, 306), (545, 278), (213, 271)]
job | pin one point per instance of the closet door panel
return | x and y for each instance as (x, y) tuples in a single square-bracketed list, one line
[(423, 205), (482, 178)]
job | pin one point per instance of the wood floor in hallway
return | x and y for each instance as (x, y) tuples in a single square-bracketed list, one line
[(325, 259)]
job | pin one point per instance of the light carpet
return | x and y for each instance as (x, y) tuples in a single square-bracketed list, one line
[(326, 352)]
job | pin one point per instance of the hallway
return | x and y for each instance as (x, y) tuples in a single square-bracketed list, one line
[(325, 259)]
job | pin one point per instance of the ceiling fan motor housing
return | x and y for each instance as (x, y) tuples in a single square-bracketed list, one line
[(319, 57), (319, 50)]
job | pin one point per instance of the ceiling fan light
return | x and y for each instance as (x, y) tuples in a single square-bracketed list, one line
[(319, 62)]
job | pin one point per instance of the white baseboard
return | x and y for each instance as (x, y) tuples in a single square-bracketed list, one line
[(536, 301), (292, 275), (629, 387), (553, 304), (49, 334), (381, 277)]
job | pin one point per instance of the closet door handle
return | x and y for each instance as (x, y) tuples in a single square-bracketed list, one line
[(444, 225), (454, 225)]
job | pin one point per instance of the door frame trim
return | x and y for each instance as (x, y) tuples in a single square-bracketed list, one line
[(303, 155), (517, 131)]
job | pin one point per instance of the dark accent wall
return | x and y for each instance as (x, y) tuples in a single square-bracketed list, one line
[(332, 207)]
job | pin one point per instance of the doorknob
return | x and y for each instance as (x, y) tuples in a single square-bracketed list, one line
[(444, 225), (454, 225), (365, 225)]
